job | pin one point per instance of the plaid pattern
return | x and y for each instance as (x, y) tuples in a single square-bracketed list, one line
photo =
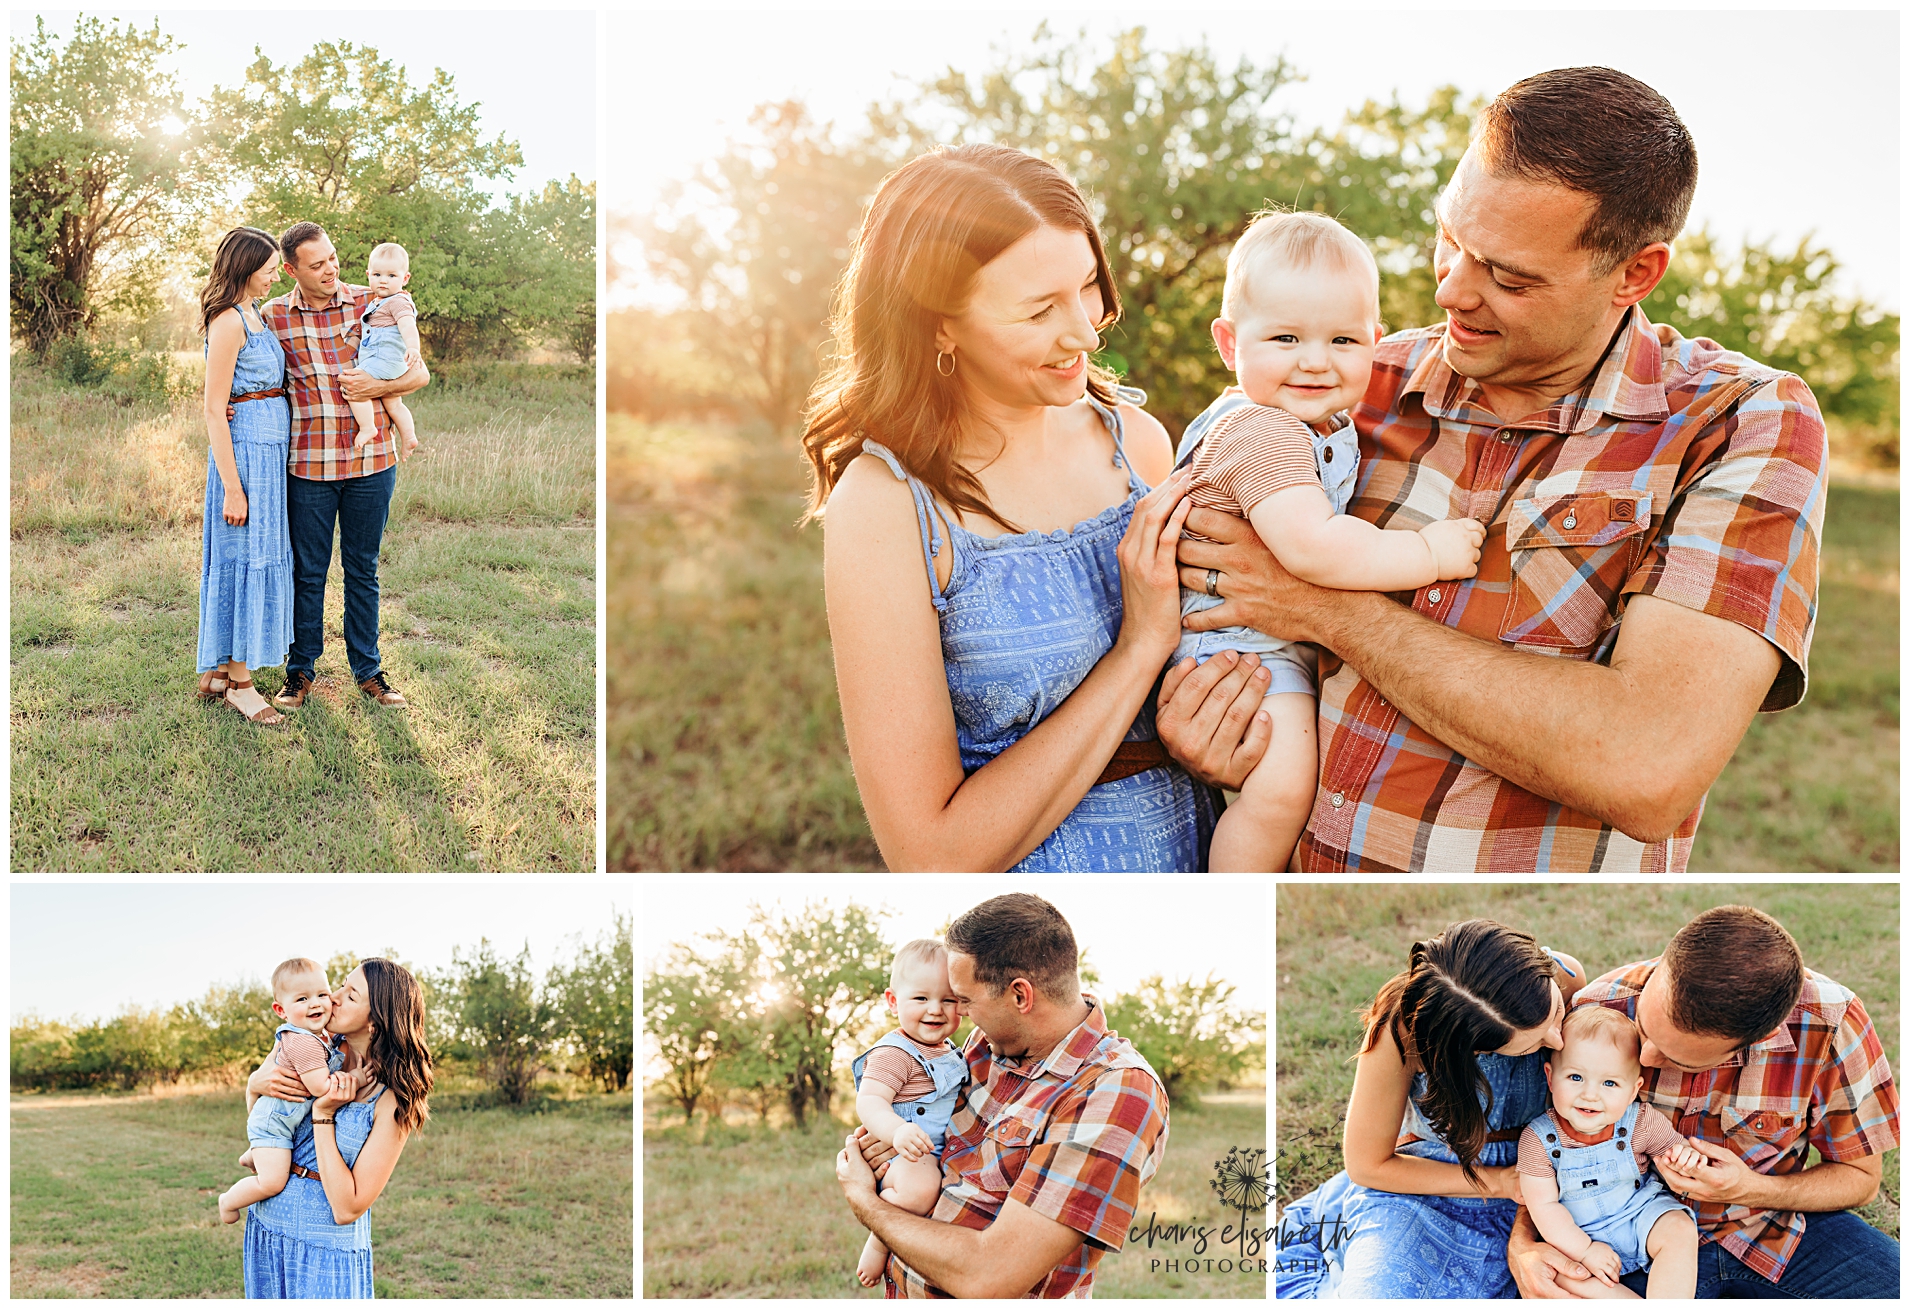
[(1074, 1137), (1683, 471), (1820, 1080), (319, 344)]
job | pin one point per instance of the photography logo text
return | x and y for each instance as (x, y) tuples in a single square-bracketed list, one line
[(1241, 1182)]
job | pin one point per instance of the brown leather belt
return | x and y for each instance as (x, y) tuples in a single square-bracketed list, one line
[(258, 395), (306, 1172), (1131, 757), (1509, 1134)]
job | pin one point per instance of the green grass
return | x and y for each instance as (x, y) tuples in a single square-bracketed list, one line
[(487, 625), (117, 1197), (755, 1212), (1336, 946)]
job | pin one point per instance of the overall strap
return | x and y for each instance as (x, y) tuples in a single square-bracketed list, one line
[(928, 517)]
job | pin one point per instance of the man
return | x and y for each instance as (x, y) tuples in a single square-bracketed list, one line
[(1654, 505), (330, 483), (1061, 1124), (1755, 1059)]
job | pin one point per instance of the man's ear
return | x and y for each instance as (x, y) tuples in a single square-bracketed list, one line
[(1024, 995), (1225, 341), (1640, 275)]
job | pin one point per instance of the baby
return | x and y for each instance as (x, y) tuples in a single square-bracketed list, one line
[(302, 998), (1299, 320), (387, 341), (908, 1084), (1582, 1165)]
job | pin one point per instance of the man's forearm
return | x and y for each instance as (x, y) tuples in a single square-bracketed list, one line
[(1825, 1187), (943, 1253)]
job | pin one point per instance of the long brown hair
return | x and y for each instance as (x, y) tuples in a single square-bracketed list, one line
[(399, 1057), (242, 253), (934, 223), (1464, 992)]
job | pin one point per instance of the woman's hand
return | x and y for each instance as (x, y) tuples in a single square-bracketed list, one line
[(236, 507), (1150, 578), (340, 1090), (1502, 1184), (285, 1084)]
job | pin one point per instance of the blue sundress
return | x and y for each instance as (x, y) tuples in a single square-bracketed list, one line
[(1024, 619), (245, 579), (293, 1248), (1345, 1241)]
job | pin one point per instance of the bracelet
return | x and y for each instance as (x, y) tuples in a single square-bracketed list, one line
[(317, 1121)]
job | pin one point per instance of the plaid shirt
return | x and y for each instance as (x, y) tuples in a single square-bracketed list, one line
[(319, 344), (1820, 1080), (1682, 471), (1074, 1137)]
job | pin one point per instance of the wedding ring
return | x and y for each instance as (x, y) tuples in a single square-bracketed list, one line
[(1213, 582)]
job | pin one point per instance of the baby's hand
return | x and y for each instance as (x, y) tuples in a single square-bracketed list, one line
[(412, 359), (1685, 1158), (1603, 1262), (912, 1143), (1455, 546)]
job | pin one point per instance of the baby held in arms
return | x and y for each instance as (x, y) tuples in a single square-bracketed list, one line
[(1584, 1166), (908, 1084), (1299, 320)]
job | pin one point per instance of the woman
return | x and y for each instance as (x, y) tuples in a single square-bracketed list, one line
[(312, 1241), (1001, 585), (245, 582), (1450, 1071)]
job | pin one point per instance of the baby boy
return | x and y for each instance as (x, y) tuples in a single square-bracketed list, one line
[(908, 1084), (301, 997), (387, 341), (1583, 1167)]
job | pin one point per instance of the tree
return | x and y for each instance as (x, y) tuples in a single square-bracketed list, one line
[(231, 1026), (684, 1012), (103, 148), (593, 999), (502, 1021), (1189, 1031)]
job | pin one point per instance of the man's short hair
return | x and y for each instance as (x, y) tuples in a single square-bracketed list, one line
[(1296, 239), (1607, 135), (1019, 935), (295, 236), (1594, 1022), (925, 950), (1733, 972), (291, 968)]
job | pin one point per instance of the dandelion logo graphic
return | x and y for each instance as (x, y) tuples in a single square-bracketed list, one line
[(1241, 1181)]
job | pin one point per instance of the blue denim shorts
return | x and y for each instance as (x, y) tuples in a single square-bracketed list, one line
[(273, 1123), (381, 353), (1295, 665)]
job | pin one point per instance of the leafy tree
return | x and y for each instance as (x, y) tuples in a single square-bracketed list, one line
[(502, 1020), (684, 1012), (1190, 1032), (230, 1026), (593, 1000), (101, 155)]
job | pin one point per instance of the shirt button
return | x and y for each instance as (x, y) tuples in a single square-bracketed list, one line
[(1432, 596), (1571, 521), (1505, 436), (1327, 454), (1338, 798)]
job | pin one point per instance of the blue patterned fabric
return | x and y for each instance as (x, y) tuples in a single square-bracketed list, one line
[(293, 1248), (1024, 618), (245, 578), (1344, 1241)]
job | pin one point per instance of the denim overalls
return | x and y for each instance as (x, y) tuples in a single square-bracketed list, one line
[(1601, 1187), (950, 1071), (272, 1123), (381, 350)]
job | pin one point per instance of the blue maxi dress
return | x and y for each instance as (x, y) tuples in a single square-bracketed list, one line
[(245, 579), (1024, 619), (1344, 1241), (293, 1248)]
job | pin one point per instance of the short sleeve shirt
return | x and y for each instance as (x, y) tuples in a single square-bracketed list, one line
[(392, 310), (1821, 1080), (1252, 453), (303, 1053), (1074, 1136), (890, 1067), (319, 345), (1680, 470), (1652, 1135)]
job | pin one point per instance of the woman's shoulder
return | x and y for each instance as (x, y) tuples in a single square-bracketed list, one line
[(868, 494), (227, 322), (1148, 446)]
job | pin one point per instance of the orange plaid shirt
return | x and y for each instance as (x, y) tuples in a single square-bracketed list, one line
[(1683, 471), (1820, 1080), (320, 344)]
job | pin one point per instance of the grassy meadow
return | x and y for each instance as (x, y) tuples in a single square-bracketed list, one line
[(725, 750), (487, 624), (1336, 946), (116, 1196), (744, 1210)]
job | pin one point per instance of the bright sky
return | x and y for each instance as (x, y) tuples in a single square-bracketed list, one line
[(1795, 115), (92, 948), (1132, 926), (533, 74)]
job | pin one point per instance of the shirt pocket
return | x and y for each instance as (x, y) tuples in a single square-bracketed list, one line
[(1005, 1148), (1760, 1136), (1570, 555)]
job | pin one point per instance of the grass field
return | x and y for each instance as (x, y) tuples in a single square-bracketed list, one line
[(1336, 946), (725, 747), (755, 1212), (116, 1197), (487, 625)]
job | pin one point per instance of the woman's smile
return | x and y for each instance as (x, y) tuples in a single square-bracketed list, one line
[(1069, 370)]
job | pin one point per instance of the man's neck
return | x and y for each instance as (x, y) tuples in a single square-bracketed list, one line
[(1048, 1041), (1516, 404)]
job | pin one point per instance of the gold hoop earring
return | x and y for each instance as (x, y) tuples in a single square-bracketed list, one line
[(948, 355)]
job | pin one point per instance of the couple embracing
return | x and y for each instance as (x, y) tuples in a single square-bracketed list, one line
[(1501, 594), (1515, 1129), (305, 426)]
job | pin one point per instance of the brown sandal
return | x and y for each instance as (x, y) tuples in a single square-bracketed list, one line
[(266, 716), (214, 685)]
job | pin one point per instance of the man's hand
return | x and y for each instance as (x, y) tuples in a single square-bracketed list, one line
[(1542, 1271), (912, 1143), (1604, 1263), (874, 1152), (359, 385), (1685, 1158), (1208, 717), (1722, 1180), (853, 1173), (1255, 590)]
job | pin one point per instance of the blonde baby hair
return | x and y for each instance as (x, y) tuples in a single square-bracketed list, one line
[(1298, 240), (390, 247), (291, 968), (1596, 1022), (922, 951)]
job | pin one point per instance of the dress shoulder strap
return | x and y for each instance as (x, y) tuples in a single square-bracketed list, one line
[(1111, 415), (928, 517)]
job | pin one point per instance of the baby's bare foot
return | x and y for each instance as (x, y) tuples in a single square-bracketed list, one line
[(869, 1267)]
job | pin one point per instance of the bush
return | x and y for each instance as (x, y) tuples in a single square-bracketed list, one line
[(129, 376)]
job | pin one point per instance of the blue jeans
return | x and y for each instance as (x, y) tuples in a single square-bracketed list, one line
[(357, 507), (1840, 1258)]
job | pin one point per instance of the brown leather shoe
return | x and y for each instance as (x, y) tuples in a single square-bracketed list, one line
[(292, 695), (380, 690)]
